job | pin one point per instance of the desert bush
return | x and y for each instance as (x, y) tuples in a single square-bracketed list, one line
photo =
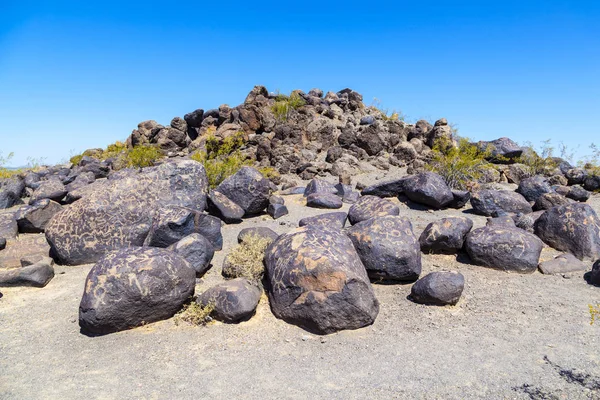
[(538, 161), (270, 173), (459, 165), (385, 112), (248, 257), (142, 156), (4, 171), (594, 313), (195, 314), (285, 104)]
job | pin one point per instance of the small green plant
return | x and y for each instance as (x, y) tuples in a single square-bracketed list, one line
[(142, 156), (285, 104), (6, 172), (247, 257), (460, 165), (194, 314), (594, 313), (269, 173), (538, 161)]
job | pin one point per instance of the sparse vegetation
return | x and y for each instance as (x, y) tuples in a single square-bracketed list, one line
[(142, 156), (193, 313), (538, 161), (460, 166), (248, 257), (139, 157), (269, 173), (6, 172), (594, 313), (285, 104), (385, 112)]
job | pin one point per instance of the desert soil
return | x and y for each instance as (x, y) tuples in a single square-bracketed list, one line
[(510, 337)]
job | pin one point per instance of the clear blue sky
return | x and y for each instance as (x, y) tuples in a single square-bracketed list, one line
[(82, 74)]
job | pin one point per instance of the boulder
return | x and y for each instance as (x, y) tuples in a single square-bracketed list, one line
[(370, 207), (334, 220), (2, 243), (8, 226), (595, 274), (259, 231), (504, 248), (119, 213), (37, 275), (52, 189), (501, 150), (387, 247), (576, 176), (578, 193), (132, 287), (527, 221), (573, 227), (548, 200), (323, 200), (460, 198), (318, 282), (494, 202), (591, 183), (196, 250), (438, 288), (562, 264), (247, 188), (220, 206), (429, 189), (446, 235), (319, 186), (534, 187), (34, 218), (504, 220), (11, 191), (169, 225), (209, 227), (390, 188), (232, 301)]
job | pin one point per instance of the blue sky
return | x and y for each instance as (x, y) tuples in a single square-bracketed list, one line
[(76, 75)]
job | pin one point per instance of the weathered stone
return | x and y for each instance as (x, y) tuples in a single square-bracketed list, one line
[(565, 263), (8, 225), (319, 186), (548, 200), (576, 176), (534, 187), (578, 193), (133, 287), (591, 183), (277, 211), (388, 248), (595, 274), (573, 227), (492, 202), (34, 218), (318, 282), (323, 200), (248, 188), (527, 221), (276, 200), (501, 221), (460, 198), (232, 301), (334, 220), (11, 191), (220, 206), (120, 212), (197, 251), (169, 225), (209, 227), (2, 243), (37, 275), (501, 150), (503, 248), (370, 207), (259, 231), (446, 235), (429, 189), (390, 188), (52, 189), (438, 288)]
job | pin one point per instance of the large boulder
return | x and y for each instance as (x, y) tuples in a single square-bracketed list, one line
[(232, 301), (573, 227), (323, 200), (52, 189), (334, 220), (34, 218), (495, 202), (504, 248), (534, 187), (247, 188), (196, 250), (38, 274), (370, 207), (120, 212), (438, 288), (10, 192), (549, 200), (564, 263), (134, 286), (428, 188), (319, 186), (220, 206), (501, 150), (169, 225), (446, 235), (388, 248), (8, 226), (318, 282), (390, 188)]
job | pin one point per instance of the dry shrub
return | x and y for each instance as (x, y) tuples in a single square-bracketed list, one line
[(194, 314), (246, 259)]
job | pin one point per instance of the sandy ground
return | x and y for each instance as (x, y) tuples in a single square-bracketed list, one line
[(510, 337)]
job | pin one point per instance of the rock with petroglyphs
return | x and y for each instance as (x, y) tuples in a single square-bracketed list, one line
[(428, 188), (573, 227), (495, 202), (197, 251), (318, 282), (333, 220), (370, 207), (247, 188), (504, 248), (132, 287), (446, 235), (231, 301), (388, 248)]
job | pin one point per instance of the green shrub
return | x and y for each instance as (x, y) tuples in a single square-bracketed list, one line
[(193, 313), (142, 156), (285, 104), (76, 159), (538, 161), (269, 173), (6, 172), (458, 165)]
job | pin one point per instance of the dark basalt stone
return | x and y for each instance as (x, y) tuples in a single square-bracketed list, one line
[(334, 220), (318, 282), (438, 289), (169, 225), (209, 227), (8, 226), (34, 218), (446, 235), (595, 274), (132, 287), (247, 188), (460, 199), (36, 275), (429, 189), (548, 200), (502, 221), (578, 193), (233, 301), (390, 188), (259, 231), (52, 189), (534, 187), (504, 248), (2, 243), (565, 263), (527, 221), (277, 211), (370, 207), (220, 206), (323, 200), (492, 202), (197, 251), (387, 247), (319, 186)]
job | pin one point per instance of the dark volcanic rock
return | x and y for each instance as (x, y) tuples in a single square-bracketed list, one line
[(460, 198), (573, 227), (52, 189), (501, 150), (495, 202), (10, 192), (37, 275), (334, 220), (8, 226), (438, 288), (233, 301), (595, 275), (446, 235), (576, 176), (2, 243), (370, 207), (534, 187), (119, 213), (259, 231), (428, 188), (527, 221), (319, 186), (562, 264), (277, 211), (507, 249), (133, 287), (591, 183), (196, 250), (247, 188), (34, 218), (504, 220), (209, 227), (169, 225), (220, 206), (318, 282), (578, 193), (388, 248), (391, 188), (548, 200), (323, 200)]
